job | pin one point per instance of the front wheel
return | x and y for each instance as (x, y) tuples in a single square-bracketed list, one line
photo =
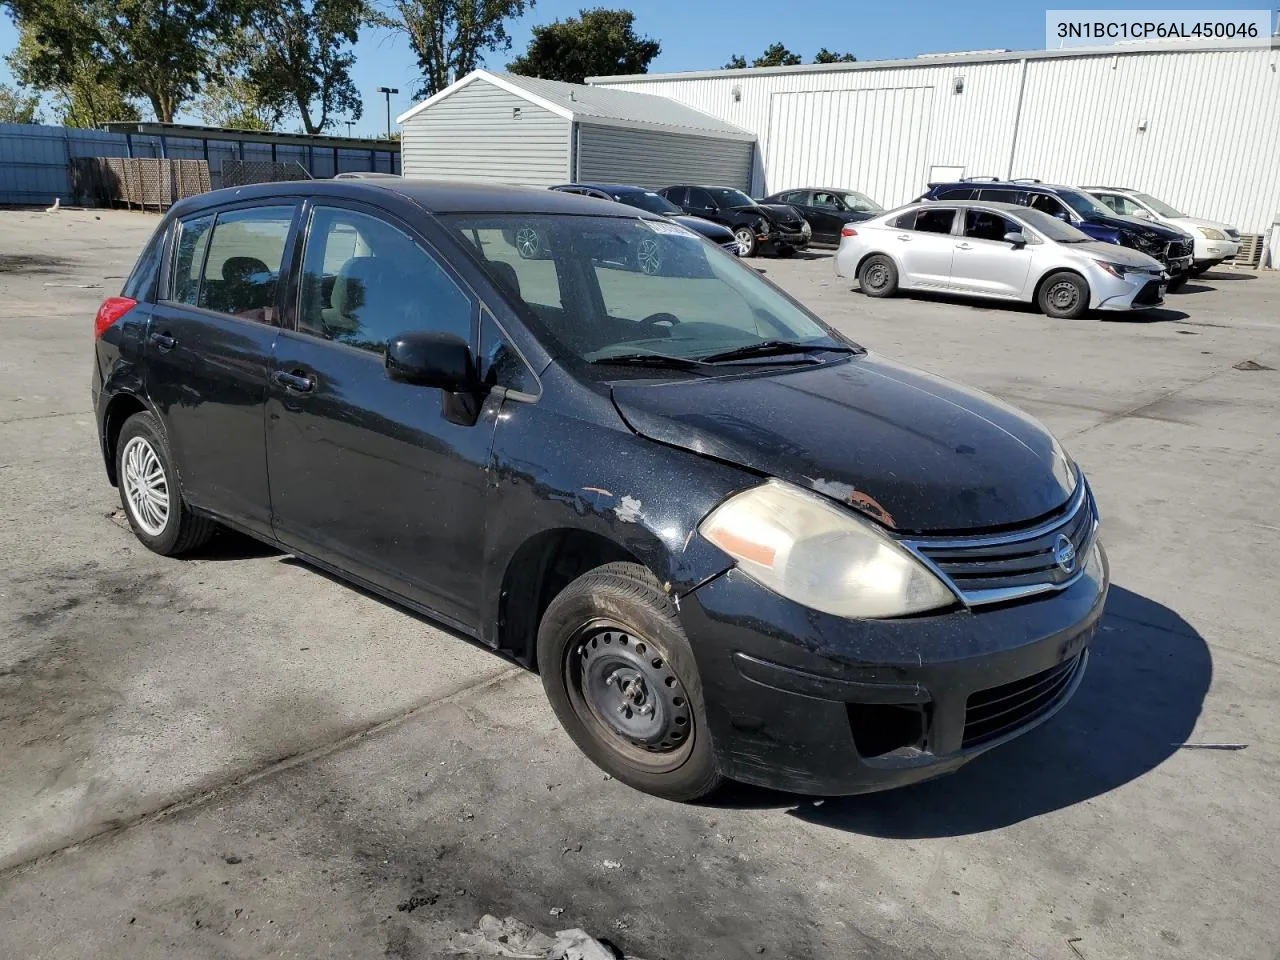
[(620, 675), (149, 490), (746, 239), (878, 277), (1064, 296)]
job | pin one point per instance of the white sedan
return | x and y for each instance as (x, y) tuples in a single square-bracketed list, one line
[(999, 251)]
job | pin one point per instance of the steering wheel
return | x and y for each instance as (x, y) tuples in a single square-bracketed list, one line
[(661, 319)]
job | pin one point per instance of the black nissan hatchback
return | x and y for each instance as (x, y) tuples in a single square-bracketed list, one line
[(732, 542)]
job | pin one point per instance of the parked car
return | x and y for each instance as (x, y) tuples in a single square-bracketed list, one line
[(1170, 246), (651, 201), (827, 209), (999, 251), (776, 228), (1214, 241), (732, 542)]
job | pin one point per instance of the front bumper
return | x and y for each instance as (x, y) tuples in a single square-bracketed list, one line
[(778, 239), (1137, 291), (1215, 251), (806, 702)]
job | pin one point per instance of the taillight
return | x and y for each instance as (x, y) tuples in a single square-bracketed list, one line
[(112, 309), (848, 231)]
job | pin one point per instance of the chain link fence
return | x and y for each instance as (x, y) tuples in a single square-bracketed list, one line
[(238, 173)]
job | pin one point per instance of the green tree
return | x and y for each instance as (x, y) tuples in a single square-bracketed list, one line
[(18, 107), (232, 101), (736, 62), (156, 50), (82, 94), (597, 42), (826, 56), (299, 53), (776, 55), (451, 37)]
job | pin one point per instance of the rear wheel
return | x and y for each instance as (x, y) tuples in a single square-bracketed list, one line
[(620, 675), (746, 239), (1063, 295), (149, 490), (878, 277)]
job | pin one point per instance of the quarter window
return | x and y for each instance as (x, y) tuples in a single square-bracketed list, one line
[(141, 284), (365, 281), (243, 264), (188, 259)]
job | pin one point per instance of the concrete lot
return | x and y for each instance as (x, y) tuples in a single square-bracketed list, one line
[(235, 756)]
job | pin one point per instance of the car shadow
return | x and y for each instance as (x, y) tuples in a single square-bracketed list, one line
[(818, 254), (1154, 315), (1225, 275), (228, 544), (1148, 675)]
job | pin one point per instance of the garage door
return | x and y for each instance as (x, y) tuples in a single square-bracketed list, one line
[(868, 140), (653, 159)]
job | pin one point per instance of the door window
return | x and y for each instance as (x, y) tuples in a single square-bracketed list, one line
[(932, 220), (365, 282), (827, 201), (1002, 195), (188, 259), (1121, 205), (961, 193), (243, 264), (796, 196), (676, 195), (699, 199), (1050, 205), (984, 225)]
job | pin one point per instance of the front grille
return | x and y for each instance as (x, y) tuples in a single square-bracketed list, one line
[(1149, 295), (996, 711), (1009, 566), (1179, 248)]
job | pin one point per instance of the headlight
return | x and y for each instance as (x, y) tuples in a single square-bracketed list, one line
[(1115, 269), (807, 549), (806, 229), (1211, 234)]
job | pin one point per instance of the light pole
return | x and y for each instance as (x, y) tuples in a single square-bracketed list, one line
[(388, 91), (350, 124)]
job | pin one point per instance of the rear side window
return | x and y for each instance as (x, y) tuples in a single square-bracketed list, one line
[(141, 285), (955, 193), (243, 264), (700, 198), (365, 281), (934, 221), (188, 259), (676, 195), (1002, 195)]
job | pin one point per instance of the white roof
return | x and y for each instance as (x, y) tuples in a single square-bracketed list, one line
[(599, 105)]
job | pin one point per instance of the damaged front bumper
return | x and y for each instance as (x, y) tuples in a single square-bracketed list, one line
[(802, 701)]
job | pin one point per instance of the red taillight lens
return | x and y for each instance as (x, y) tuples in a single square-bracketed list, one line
[(112, 309), (848, 231)]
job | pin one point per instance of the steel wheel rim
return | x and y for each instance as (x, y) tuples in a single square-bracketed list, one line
[(1063, 295), (146, 488), (622, 686), (527, 241), (647, 254), (877, 276), (745, 238)]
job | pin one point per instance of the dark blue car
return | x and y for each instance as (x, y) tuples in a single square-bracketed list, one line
[(1171, 247)]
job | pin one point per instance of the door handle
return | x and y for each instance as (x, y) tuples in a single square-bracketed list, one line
[(293, 381), (903, 236), (164, 343), (963, 246)]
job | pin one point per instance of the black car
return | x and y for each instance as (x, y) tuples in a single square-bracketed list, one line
[(643, 199), (773, 227), (828, 209), (1171, 247), (732, 543)]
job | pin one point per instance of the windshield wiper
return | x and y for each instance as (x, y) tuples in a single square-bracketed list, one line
[(773, 348), (650, 360)]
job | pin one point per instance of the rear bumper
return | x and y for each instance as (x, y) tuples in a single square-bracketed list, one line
[(820, 705)]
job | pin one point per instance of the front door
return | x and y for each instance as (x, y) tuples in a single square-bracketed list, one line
[(824, 213), (925, 246), (380, 478), (984, 262), (208, 355)]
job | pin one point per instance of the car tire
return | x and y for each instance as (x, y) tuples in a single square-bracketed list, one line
[(746, 238), (610, 646), (878, 276), (150, 493), (1063, 295), (1177, 283)]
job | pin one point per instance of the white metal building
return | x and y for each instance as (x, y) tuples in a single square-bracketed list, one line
[(1196, 126), (498, 126)]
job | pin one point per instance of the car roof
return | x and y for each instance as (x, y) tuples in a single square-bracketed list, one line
[(607, 187), (1002, 184), (1112, 189), (815, 189), (1015, 208), (433, 196)]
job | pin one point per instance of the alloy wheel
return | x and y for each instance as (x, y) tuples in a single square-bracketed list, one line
[(528, 243), (746, 241), (146, 487), (648, 257)]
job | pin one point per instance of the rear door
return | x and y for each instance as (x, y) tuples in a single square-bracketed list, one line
[(208, 354), (984, 261), (924, 245)]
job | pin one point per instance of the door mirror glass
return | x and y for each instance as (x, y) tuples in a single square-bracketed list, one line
[(1016, 237), (439, 360), (1141, 213)]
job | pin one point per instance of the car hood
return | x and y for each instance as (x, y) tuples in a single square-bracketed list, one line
[(1115, 253), (712, 231), (1190, 223), (914, 452), (777, 212), (1118, 222)]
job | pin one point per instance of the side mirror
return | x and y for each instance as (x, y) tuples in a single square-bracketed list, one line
[(432, 360), (1142, 214), (1016, 237)]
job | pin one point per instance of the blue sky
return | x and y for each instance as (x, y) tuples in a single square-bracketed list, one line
[(702, 34)]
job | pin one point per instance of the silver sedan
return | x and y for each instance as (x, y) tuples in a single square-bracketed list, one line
[(1000, 251)]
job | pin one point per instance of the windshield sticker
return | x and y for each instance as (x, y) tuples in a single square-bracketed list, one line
[(663, 226)]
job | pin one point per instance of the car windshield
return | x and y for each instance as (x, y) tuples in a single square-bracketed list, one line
[(646, 201), (1158, 206), (728, 197), (1084, 204), (596, 288), (1052, 228), (861, 203)]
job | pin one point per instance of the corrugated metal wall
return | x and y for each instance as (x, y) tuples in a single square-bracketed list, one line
[(474, 135), (653, 159), (1211, 147), (33, 158)]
